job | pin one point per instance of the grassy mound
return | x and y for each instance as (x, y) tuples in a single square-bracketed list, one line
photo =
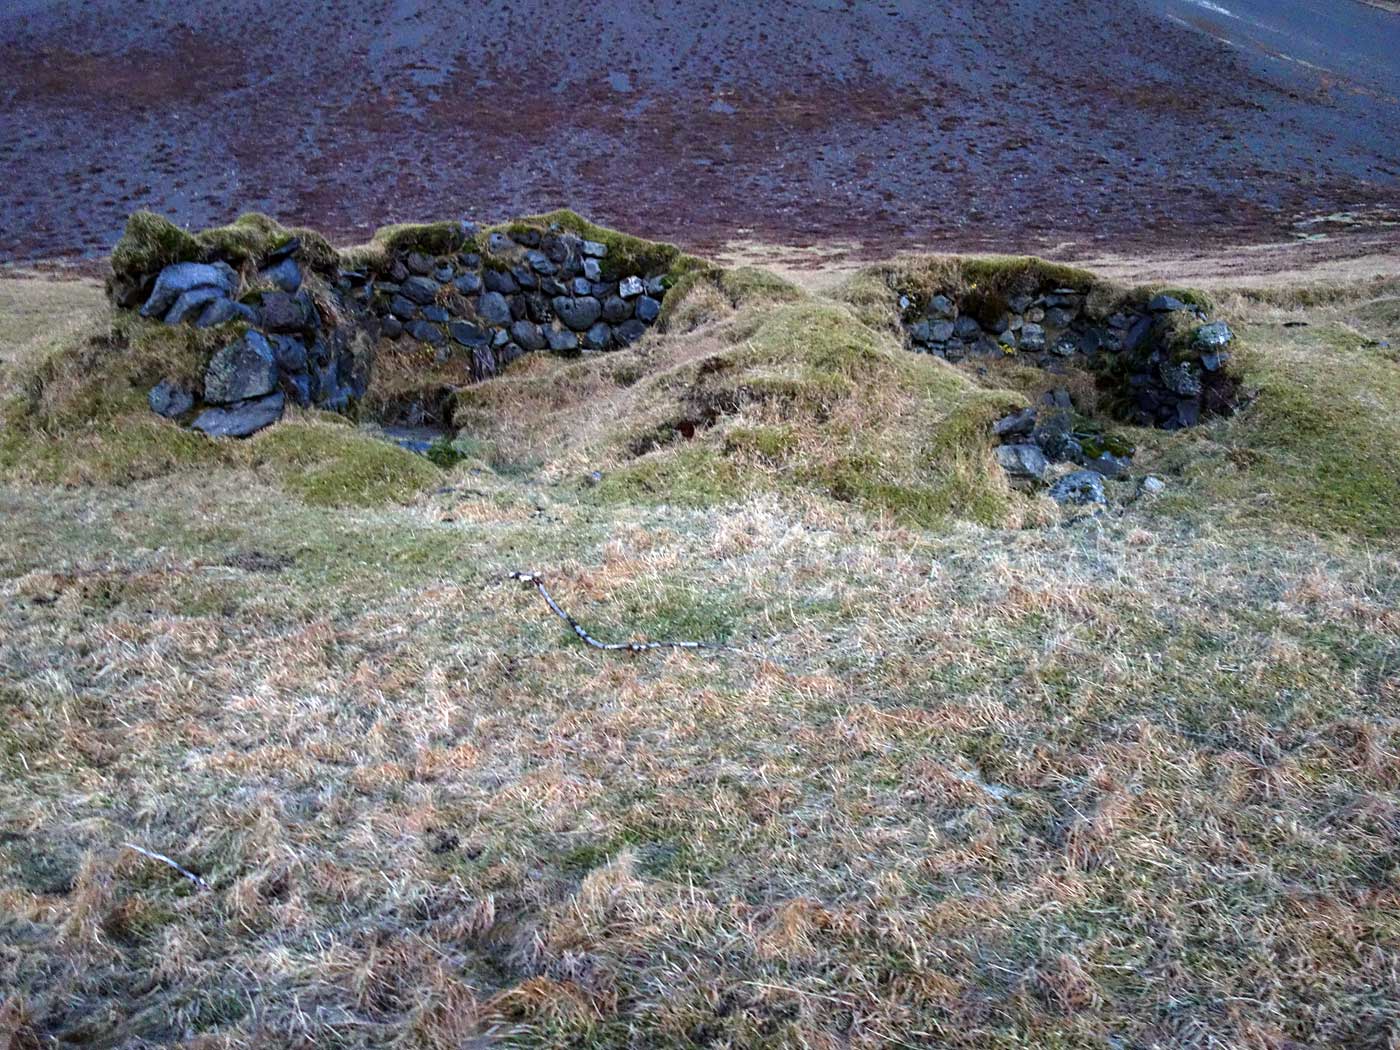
[(152, 242), (1320, 446), (787, 393)]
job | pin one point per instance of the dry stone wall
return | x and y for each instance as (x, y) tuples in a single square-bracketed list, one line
[(1160, 361), (307, 337)]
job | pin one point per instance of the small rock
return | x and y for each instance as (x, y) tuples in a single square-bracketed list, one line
[(1109, 465), (581, 286), (192, 302), (493, 308), (444, 273), (629, 332), (286, 275), (630, 287), (419, 263), (1023, 461), (1032, 337), (1214, 361), (498, 243), (528, 335), (1180, 379), (242, 419), (616, 310), (648, 309), (594, 250), (468, 284), (221, 311), (169, 400), (1165, 304), (425, 332), (1018, 424), (599, 337), (1214, 336), (1082, 488), (941, 306), (966, 328), (540, 263), (560, 340), (421, 290), (592, 270), (468, 334), (403, 308), (391, 327), (436, 314), (1153, 485), (525, 277), (656, 287), (244, 369)]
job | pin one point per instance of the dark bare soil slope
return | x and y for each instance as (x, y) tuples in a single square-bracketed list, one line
[(969, 123)]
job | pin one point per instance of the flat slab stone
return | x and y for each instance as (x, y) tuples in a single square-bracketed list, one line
[(242, 419)]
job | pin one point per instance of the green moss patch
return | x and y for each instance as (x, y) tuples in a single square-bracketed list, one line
[(430, 238), (328, 465)]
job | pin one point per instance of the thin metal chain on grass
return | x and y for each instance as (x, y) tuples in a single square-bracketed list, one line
[(532, 580)]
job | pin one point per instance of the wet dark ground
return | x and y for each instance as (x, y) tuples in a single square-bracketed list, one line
[(998, 124)]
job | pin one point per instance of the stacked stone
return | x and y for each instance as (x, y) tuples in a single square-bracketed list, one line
[(1034, 438), (1167, 388), (533, 291), (287, 353)]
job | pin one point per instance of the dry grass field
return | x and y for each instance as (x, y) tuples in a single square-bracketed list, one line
[(970, 775)]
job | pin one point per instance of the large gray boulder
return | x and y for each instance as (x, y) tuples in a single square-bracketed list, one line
[(242, 419), (579, 313), (243, 369), (177, 279)]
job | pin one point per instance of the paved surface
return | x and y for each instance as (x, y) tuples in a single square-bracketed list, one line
[(1004, 124)]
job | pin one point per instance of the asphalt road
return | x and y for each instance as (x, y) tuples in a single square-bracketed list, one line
[(987, 124)]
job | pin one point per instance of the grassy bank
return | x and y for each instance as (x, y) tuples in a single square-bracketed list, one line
[(969, 776)]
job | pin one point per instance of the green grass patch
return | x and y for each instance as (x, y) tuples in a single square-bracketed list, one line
[(331, 466)]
